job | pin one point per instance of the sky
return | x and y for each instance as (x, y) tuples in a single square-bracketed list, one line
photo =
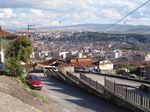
[(20, 13)]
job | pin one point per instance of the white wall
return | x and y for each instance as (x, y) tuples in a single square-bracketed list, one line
[(80, 55), (69, 69), (147, 57), (118, 53), (106, 65), (64, 55), (2, 56)]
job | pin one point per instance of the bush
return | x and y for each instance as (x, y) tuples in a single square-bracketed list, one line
[(13, 67), (121, 71), (17, 51)]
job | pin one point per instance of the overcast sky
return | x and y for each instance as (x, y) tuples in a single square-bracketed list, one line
[(19, 13)]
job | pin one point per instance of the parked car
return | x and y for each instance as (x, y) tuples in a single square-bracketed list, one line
[(2, 69), (34, 82)]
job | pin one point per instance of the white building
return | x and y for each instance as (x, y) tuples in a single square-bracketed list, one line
[(118, 53), (74, 53), (46, 55), (2, 55), (106, 65), (80, 55), (147, 57), (65, 55)]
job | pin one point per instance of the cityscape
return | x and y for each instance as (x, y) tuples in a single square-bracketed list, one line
[(69, 56)]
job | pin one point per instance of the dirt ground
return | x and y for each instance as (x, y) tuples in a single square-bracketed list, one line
[(14, 87), (12, 104)]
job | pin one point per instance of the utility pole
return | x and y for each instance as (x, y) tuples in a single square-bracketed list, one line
[(29, 27)]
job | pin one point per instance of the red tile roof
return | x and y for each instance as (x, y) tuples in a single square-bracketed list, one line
[(82, 63), (61, 65), (6, 34), (48, 62)]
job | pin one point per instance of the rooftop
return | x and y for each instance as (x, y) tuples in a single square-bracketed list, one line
[(5, 34)]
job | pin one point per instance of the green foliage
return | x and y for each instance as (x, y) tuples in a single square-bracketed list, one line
[(121, 71), (13, 67), (24, 45), (138, 71), (26, 48), (17, 51)]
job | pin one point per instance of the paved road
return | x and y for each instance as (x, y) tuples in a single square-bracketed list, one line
[(71, 99)]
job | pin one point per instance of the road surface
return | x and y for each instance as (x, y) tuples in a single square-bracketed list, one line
[(71, 99)]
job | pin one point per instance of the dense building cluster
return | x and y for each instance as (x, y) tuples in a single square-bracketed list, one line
[(112, 52)]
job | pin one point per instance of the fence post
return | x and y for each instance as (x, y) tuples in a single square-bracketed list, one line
[(90, 81), (114, 85), (96, 84), (126, 92), (104, 80), (149, 103), (141, 100)]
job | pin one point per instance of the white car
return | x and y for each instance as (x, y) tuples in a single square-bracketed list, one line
[(51, 68)]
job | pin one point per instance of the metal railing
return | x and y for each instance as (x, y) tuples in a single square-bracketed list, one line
[(73, 77), (92, 83), (122, 91)]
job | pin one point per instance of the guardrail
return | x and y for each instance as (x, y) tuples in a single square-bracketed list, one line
[(120, 77), (137, 99), (92, 83), (73, 77)]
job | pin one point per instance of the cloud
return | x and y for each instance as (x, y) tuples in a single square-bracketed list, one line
[(36, 12), (7, 14), (50, 12)]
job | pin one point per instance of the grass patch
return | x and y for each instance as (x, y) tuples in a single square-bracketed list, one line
[(23, 80), (38, 95)]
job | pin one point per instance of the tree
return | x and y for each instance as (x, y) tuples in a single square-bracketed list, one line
[(24, 45), (17, 51)]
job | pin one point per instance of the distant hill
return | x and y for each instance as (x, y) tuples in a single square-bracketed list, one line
[(101, 28)]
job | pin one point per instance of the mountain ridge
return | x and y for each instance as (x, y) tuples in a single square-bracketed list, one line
[(118, 28)]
